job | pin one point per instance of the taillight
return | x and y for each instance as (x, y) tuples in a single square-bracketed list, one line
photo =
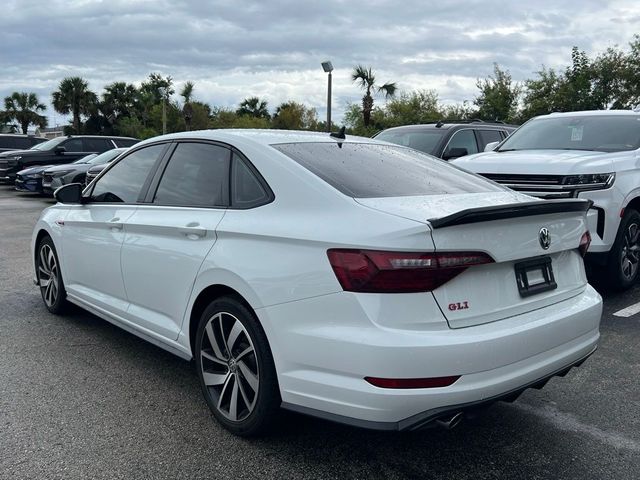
[(399, 272), (585, 241)]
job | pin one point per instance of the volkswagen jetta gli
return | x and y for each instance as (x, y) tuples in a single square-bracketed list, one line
[(351, 279)]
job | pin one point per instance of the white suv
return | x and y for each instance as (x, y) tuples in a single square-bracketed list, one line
[(593, 155)]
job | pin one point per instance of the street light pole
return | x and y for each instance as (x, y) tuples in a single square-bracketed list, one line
[(328, 68)]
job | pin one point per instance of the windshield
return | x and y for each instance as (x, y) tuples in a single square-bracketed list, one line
[(49, 144), (85, 159), (602, 133), (106, 156), (362, 170), (426, 141)]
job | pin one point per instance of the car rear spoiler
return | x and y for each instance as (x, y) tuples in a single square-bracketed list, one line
[(514, 210)]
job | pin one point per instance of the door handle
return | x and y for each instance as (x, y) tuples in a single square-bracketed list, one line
[(192, 231), (114, 224)]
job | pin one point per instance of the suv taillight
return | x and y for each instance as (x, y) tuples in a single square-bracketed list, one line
[(585, 241), (399, 272)]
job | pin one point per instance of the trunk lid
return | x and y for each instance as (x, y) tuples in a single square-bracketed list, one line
[(506, 226)]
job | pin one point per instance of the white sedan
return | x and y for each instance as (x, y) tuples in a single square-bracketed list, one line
[(351, 279)]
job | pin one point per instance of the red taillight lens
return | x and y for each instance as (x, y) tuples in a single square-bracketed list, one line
[(399, 272), (585, 241), (436, 382)]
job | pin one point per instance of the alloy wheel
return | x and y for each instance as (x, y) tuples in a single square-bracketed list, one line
[(48, 275), (630, 254), (229, 366)]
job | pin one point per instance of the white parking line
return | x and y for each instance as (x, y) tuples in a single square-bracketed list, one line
[(629, 311)]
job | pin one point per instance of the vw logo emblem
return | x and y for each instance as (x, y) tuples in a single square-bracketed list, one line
[(545, 238)]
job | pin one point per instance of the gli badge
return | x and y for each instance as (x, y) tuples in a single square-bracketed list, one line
[(545, 238), (458, 306)]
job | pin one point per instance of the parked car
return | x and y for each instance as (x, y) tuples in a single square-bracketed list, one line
[(592, 155), (57, 151), (325, 275), (447, 140), (56, 176), (9, 142), (30, 179)]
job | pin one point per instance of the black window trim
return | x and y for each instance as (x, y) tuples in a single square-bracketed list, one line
[(256, 174), (159, 173), (86, 194)]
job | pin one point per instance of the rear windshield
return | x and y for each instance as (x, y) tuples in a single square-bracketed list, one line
[(601, 133), (369, 170), (426, 141)]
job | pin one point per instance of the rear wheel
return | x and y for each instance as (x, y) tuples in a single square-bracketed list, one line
[(624, 259), (236, 368), (49, 277)]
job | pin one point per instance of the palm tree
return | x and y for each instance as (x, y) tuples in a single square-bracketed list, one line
[(119, 100), (187, 109), (23, 107), (73, 96), (253, 107), (365, 78)]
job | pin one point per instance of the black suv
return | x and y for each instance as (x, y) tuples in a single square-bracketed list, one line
[(56, 151), (448, 140), (14, 141)]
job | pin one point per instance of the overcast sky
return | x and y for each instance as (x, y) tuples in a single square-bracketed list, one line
[(233, 49)]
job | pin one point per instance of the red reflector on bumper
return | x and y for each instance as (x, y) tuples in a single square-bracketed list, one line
[(435, 382)]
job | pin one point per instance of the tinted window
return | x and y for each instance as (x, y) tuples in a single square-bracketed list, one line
[(124, 181), (125, 142), (7, 142), (73, 145), (197, 175), (463, 139), (604, 133), (246, 189), (488, 136), (23, 143), (369, 170), (425, 141), (97, 145)]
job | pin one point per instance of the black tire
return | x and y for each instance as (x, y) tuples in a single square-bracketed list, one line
[(254, 414), (49, 277), (623, 265)]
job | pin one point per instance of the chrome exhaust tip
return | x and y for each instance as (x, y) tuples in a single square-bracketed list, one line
[(450, 422)]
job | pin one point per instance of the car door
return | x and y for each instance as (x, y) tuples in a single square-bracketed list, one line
[(167, 239), (93, 232)]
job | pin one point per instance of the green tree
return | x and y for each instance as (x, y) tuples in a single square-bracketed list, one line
[(253, 107), (23, 108), (541, 94), (420, 106), (158, 87), (73, 96), (366, 80), (187, 109), (498, 98), (120, 99), (295, 116)]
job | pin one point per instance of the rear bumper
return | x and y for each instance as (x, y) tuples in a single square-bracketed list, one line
[(322, 359)]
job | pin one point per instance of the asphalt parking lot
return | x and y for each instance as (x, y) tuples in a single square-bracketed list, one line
[(80, 398)]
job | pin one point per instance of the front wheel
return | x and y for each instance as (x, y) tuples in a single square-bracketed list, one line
[(624, 259), (236, 368), (49, 277)]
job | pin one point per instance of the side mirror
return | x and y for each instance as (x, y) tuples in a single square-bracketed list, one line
[(59, 150), (490, 146), (454, 153), (71, 193)]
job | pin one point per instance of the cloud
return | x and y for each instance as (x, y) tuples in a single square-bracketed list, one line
[(234, 49)]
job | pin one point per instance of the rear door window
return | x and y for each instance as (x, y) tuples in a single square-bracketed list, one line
[(247, 190), (363, 170), (125, 142), (97, 144), (197, 175)]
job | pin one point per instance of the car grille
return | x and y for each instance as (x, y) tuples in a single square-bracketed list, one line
[(541, 186), (4, 163)]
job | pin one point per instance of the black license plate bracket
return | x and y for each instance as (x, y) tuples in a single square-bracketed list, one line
[(535, 276)]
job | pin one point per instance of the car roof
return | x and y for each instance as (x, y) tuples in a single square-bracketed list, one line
[(259, 136), (448, 125), (593, 113)]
